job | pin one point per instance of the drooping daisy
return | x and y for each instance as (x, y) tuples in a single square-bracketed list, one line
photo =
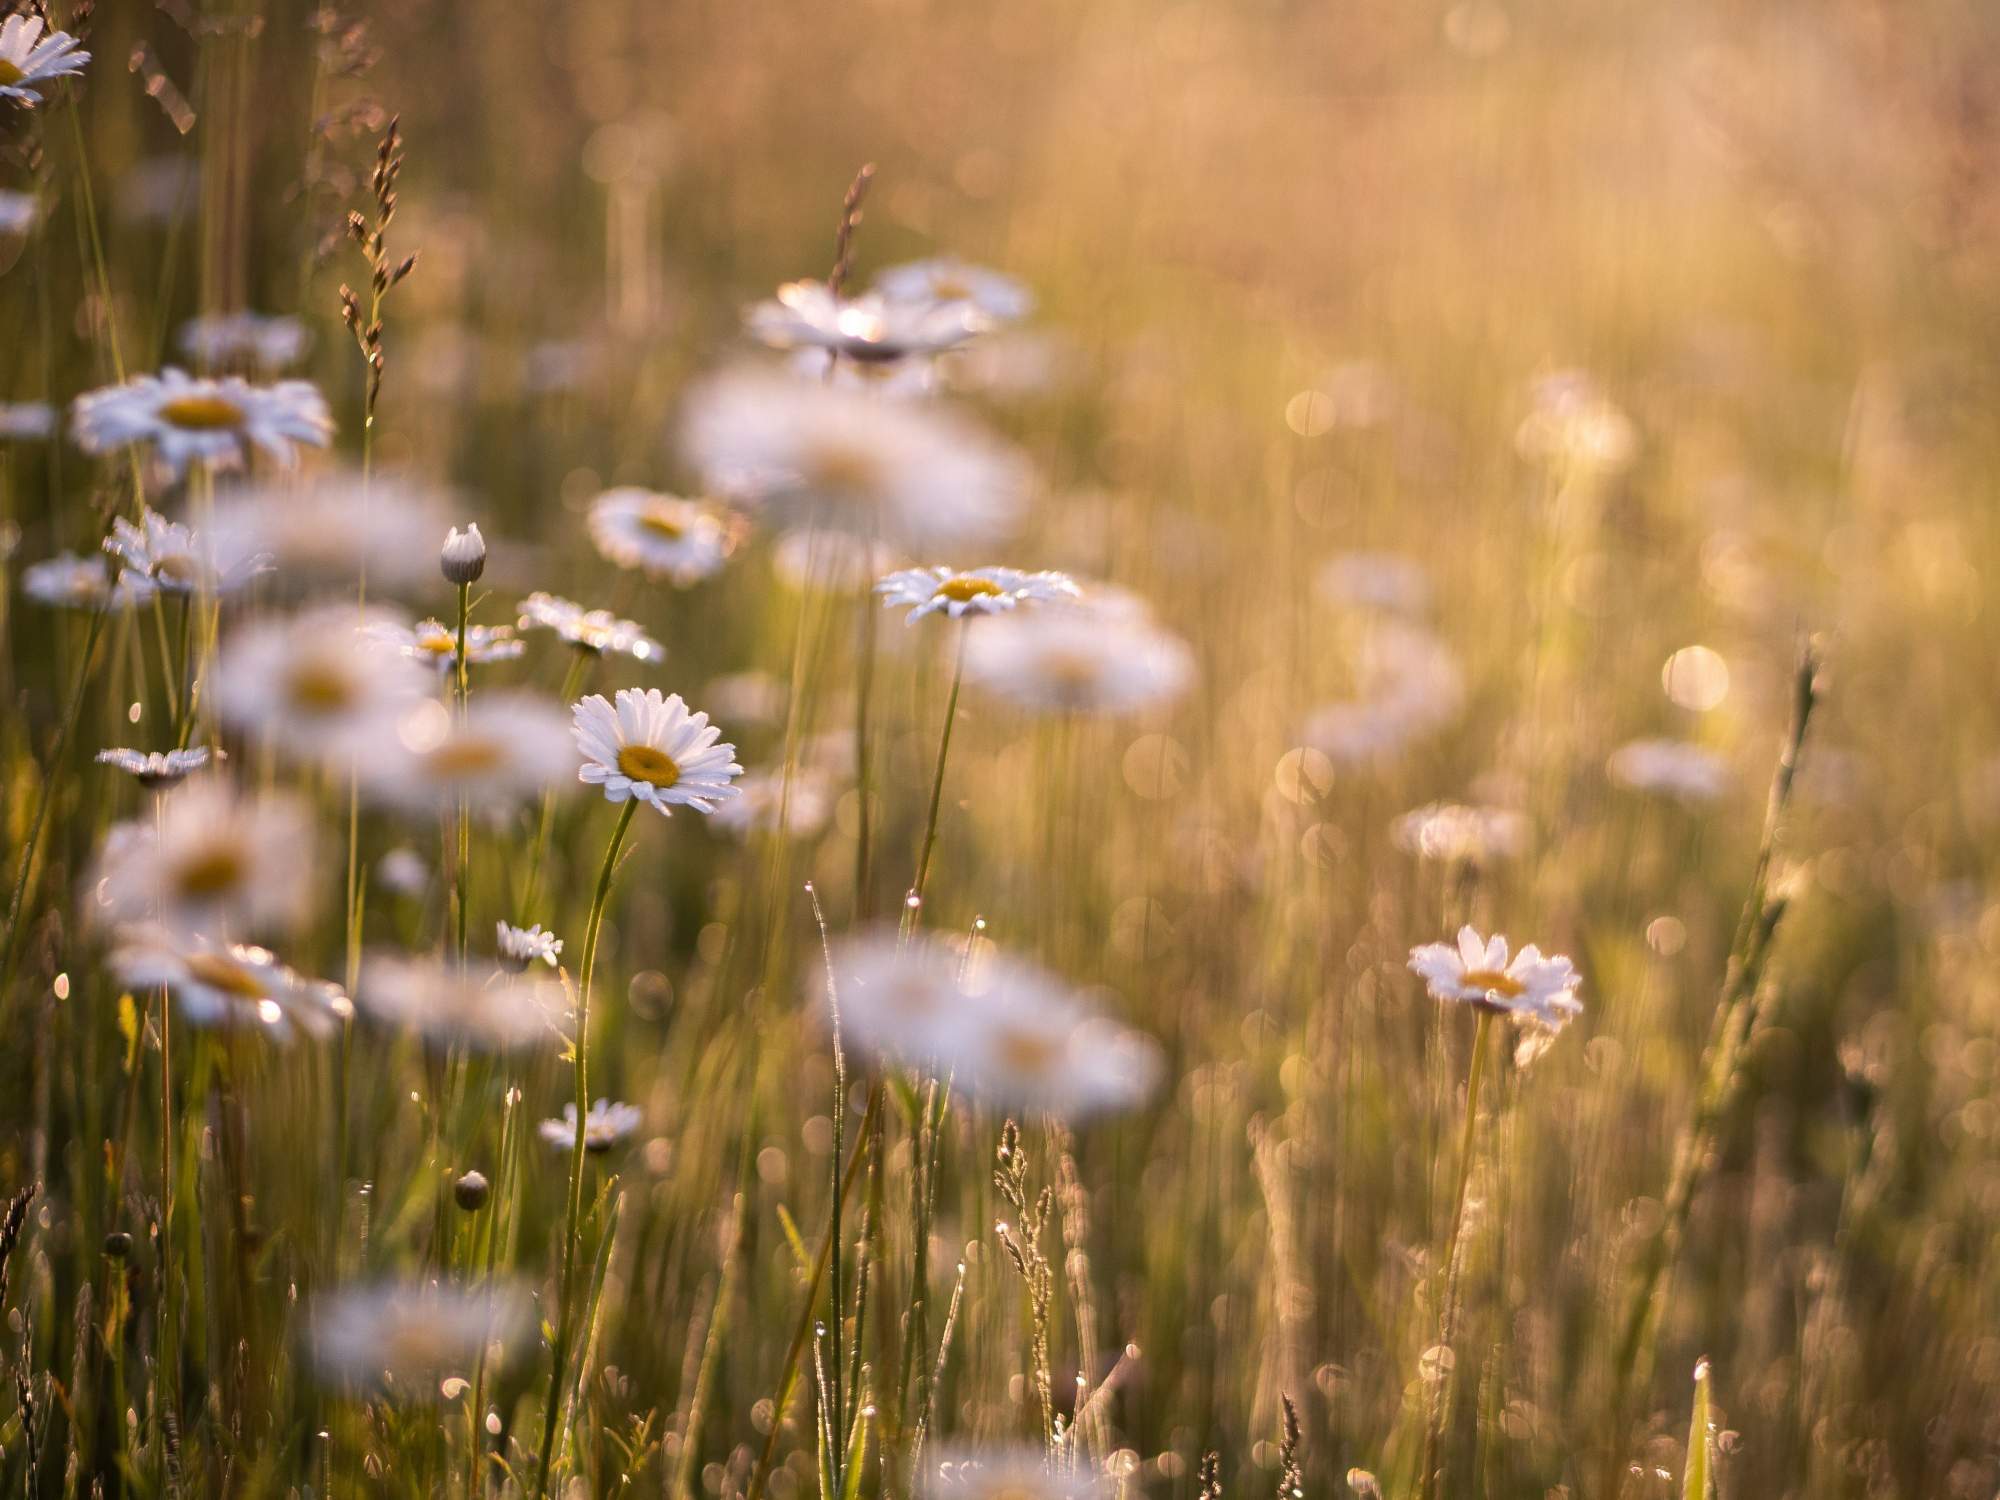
[(663, 535), (869, 328), (505, 748), (943, 281), (408, 1339), (26, 421), (1453, 832), (520, 947), (171, 558), (29, 60), (1375, 580), (603, 1127), (449, 1006), (318, 684), (72, 582), (1669, 768), (211, 861), (767, 804), (977, 591), (596, 630), (18, 213), (244, 339), (157, 770), (190, 419), (334, 528), (1063, 661), (652, 748), (228, 984), (917, 475), (1477, 971), (435, 643)]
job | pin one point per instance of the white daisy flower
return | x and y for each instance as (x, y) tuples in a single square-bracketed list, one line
[(334, 528), (72, 582), (505, 749), (449, 1006), (211, 860), (190, 419), (159, 769), (18, 213), (977, 591), (603, 1127), (26, 421), (1669, 768), (1453, 832), (1375, 580), (1477, 971), (435, 643), (521, 947), (318, 684), (1077, 661), (652, 748), (1008, 1033), (666, 536), (227, 984), (29, 60), (409, 1339), (171, 558), (895, 380), (943, 281), (918, 475), (869, 328), (244, 339), (766, 803), (596, 630)]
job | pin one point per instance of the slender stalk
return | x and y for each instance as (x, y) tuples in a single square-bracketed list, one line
[(580, 661), (915, 902), (462, 847), (567, 1314)]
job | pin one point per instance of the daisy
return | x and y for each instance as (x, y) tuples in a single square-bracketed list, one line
[(896, 380), (158, 770), (917, 475), (190, 419), (26, 421), (318, 684), (869, 329), (653, 749), (978, 591), (1375, 580), (167, 555), (242, 339), (447, 1006), (1063, 661), (211, 860), (603, 1127), (227, 984), (72, 582), (521, 947), (1453, 832), (334, 528), (504, 749), (943, 281), (666, 536), (1669, 768), (1478, 972), (411, 1338), (28, 59), (435, 643), (18, 212), (768, 804), (594, 630)]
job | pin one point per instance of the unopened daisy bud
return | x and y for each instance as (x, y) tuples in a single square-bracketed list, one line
[(472, 1191), (118, 1244), (464, 556)]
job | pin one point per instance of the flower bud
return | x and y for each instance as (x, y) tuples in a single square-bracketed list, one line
[(471, 1191), (464, 556), (118, 1244)]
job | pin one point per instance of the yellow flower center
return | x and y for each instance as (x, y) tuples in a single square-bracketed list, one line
[(202, 414), (662, 522), (438, 642), (213, 871), (319, 687), (1027, 1051), (949, 288), (965, 588), (835, 465), (1494, 982), (9, 73), (467, 755), (644, 763), (226, 975)]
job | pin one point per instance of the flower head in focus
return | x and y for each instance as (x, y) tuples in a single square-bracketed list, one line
[(435, 643), (976, 591), (604, 1126), (521, 947), (1477, 971), (650, 747), (28, 60)]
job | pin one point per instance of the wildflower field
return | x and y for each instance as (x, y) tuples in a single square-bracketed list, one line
[(1074, 750)]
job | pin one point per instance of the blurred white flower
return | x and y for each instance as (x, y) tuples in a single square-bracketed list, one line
[(650, 747), (919, 476), (190, 419), (663, 535), (596, 630), (29, 60), (334, 528), (1012, 1473), (240, 339), (869, 328), (319, 684), (1409, 685), (1375, 580), (158, 769), (403, 871), (213, 861), (766, 802), (505, 749), (1451, 831), (603, 1127), (71, 582), (450, 1006), (753, 697), (895, 380), (435, 643), (406, 1339), (1570, 419), (18, 212), (520, 947), (1477, 971), (981, 591), (26, 421), (942, 281), (1669, 768), (171, 558), (1079, 661), (227, 984)]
